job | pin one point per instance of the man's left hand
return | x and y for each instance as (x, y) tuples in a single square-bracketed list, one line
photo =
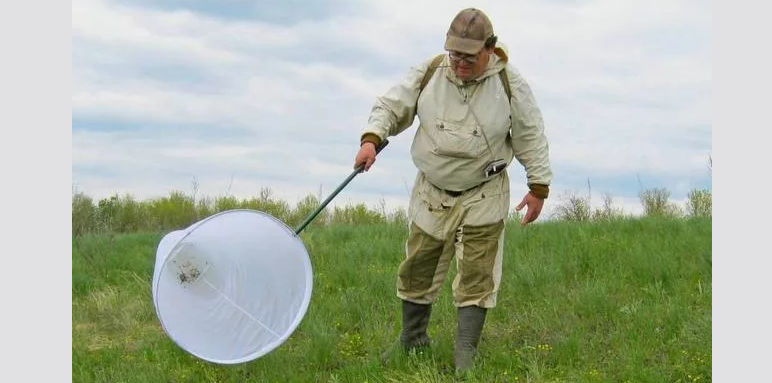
[(534, 204)]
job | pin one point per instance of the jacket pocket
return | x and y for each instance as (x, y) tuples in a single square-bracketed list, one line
[(488, 204), (427, 208), (458, 140)]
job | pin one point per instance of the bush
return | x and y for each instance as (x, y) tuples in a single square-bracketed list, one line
[(356, 215), (700, 203), (123, 214), (175, 211), (608, 211), (303, 210), (656, 203), (573, 208), (84, 215)]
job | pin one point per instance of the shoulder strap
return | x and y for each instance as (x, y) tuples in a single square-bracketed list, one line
[(505, 81), (430, 72)]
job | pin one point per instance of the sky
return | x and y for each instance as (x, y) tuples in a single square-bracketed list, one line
[(234, 96)]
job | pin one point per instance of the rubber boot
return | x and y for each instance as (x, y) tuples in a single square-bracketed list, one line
[(470, 324), (415, 320)]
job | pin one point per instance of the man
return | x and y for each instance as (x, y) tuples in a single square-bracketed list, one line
[(469, 131)]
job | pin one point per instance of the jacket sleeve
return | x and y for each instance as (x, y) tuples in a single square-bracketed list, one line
[(394, 111), (528, 138)]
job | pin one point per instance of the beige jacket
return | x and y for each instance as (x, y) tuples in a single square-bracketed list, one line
[(463, 127)]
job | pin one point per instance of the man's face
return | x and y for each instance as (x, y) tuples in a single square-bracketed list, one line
[(468, 67)]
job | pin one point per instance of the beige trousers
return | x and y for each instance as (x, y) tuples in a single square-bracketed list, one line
[(469, 228)]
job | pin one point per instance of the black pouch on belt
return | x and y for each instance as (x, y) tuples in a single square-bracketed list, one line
[(495, 167)]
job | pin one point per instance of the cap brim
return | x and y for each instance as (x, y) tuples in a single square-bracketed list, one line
[(469, 46)]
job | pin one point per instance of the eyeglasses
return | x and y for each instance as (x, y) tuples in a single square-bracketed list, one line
[(458, 56)]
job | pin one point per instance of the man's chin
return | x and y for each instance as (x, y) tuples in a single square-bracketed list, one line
[(464, 74)]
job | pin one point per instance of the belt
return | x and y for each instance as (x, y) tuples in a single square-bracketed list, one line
[(456, 193)]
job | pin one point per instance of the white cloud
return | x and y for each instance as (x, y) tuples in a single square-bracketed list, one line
[(625, 88), (168, 34)]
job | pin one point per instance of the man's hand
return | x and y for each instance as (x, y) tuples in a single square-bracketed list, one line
[(366, 156), (534, 204)]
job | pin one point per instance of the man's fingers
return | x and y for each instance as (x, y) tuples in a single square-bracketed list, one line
[(530, 216), (364, 161), (369, 162), (521, 205), (527, 218), (536, 214), (365, 157)]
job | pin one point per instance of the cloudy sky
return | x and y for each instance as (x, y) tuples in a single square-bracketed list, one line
[(241, 95)]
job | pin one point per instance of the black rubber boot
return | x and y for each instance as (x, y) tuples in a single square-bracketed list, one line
[(470, 324), (415, 319), (413, 338)]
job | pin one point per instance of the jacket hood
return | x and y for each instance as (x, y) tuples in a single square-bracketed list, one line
[(498, 60)]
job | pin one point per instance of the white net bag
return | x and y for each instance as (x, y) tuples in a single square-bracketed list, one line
[(231, 287)]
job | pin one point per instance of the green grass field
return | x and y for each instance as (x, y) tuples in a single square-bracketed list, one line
[(619, 301)]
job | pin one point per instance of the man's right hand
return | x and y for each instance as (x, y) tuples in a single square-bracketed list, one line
[(366, 156)]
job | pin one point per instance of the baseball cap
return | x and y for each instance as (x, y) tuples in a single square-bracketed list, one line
[(468, 31)]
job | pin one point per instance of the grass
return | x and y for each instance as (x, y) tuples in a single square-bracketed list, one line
[(625, 300)]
